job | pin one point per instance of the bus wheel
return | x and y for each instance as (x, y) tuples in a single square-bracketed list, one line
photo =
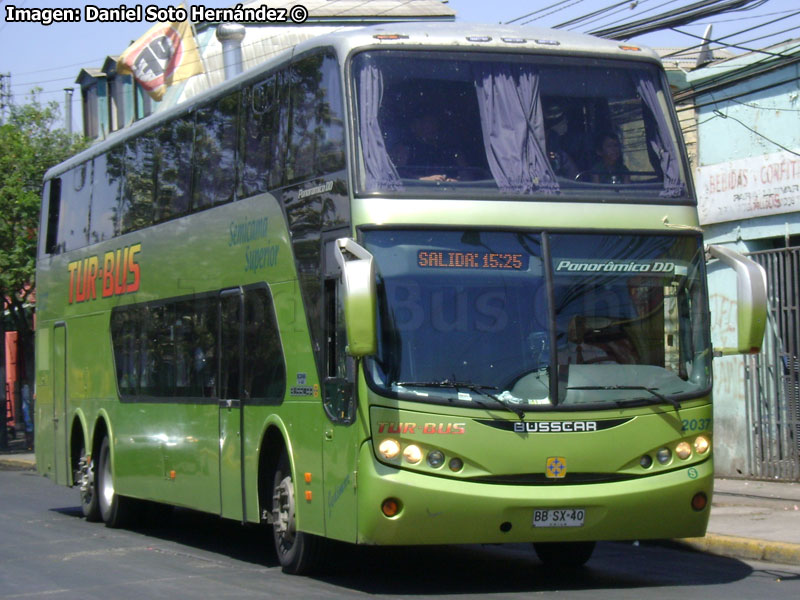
[(564, 554), (84, 477), (114, 509), (297, 551)]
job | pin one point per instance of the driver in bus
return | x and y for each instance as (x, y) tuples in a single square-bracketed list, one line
[(428, 154), (556, 126)]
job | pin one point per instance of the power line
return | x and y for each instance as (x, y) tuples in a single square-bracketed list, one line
[(738, 46), (686, 95), (771, 34), (717, 21), (673, 18), (757, 107), (638, 14), (76, 64), (35, 83), (21, 4), (598, 13), (730, 35), (536, 12), (759, 134), (552, 12)]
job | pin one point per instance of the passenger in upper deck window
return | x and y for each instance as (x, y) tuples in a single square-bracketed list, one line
[(609, 167)]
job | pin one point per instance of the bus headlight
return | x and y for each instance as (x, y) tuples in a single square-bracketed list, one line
[(701, 444), (683, 450), (412, 454), (456, 464), (389, 448), (664, 456), (435, 459)]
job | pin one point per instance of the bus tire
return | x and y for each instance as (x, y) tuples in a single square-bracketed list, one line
[(115, 510), (298, 552), (85, 479), (564, 554)]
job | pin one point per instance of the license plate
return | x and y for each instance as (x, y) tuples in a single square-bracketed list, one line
[(559, 517)]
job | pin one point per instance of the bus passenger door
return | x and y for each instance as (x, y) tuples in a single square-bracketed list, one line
[(231, 406), (340, 438), (61, 457)]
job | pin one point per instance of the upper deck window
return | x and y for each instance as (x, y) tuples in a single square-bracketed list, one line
[(468, 123)]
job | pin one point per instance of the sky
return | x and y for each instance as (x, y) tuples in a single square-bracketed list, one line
[(50, 57)]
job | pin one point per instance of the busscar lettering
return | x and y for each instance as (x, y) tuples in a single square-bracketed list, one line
[(555, 426), (120, 274)]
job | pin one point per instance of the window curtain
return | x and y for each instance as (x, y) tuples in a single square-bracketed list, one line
[(513, 127), (660, 142), (379, 171)]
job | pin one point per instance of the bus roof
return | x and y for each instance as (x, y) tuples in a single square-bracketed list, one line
[(411, 35), (476, 36)]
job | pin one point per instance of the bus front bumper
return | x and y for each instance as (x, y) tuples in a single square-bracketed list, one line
[(440, 510)]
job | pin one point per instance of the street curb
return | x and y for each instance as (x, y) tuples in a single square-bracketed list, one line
[(713, 543), (744, 548), (8, 462)]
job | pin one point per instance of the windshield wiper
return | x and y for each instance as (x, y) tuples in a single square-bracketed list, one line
[(474, 387), (661, 397)]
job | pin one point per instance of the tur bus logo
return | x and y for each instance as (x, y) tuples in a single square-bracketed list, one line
[(118, 275)]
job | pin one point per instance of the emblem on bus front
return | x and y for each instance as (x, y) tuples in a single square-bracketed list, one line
[(556, 467)]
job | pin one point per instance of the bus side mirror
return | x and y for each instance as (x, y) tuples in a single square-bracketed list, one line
[(359, 297), (751, 300)]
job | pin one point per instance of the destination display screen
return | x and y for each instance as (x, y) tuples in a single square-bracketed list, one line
[(456, 259)]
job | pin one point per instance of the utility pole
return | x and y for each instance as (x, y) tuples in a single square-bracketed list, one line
[(68, 110), (5, 102), (5, 94)]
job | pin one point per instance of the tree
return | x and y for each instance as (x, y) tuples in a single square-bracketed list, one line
[(29, 145)]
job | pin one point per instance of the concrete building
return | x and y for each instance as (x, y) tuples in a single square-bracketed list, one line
[(748, 185)]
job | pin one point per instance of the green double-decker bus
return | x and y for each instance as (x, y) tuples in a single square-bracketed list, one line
[(408, 284)]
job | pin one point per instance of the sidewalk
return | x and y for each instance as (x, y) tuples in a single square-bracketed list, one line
[(16, 456), (755, 520), (752, 520)]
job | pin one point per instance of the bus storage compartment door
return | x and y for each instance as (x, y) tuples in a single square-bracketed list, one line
[(751, 300), (359, 296)]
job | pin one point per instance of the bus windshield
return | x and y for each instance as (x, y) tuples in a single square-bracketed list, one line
[(539, 320), (467, 123)]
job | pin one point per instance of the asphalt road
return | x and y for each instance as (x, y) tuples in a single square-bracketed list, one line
[(48, 551)]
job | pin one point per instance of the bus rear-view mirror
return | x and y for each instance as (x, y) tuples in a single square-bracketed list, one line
[(359, 296), (751, 300)]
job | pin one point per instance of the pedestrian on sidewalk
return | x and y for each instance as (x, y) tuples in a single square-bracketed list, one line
[(27, 415)]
